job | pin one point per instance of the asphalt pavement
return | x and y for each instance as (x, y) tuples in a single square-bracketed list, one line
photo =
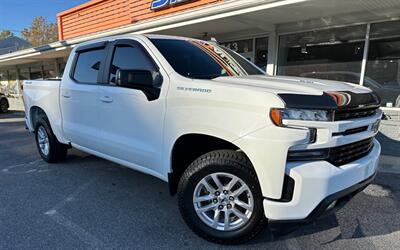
[(90, 203)]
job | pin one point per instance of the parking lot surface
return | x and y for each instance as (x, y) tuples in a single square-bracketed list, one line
[(90, 203)]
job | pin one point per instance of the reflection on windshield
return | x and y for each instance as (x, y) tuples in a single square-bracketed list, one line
[(203, 60), (229, 65)]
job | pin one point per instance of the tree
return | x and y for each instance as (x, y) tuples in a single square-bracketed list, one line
[(40, 32), (5, 34)]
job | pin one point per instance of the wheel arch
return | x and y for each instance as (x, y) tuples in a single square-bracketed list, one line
[(198, 144), (35, 113)]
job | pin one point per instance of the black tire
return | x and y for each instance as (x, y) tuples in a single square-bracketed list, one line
[(57, 151), (226, 161), (4, 105)]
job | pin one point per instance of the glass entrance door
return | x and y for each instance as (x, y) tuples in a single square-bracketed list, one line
[(254, 50)]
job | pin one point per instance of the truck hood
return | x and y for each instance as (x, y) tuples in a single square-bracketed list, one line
[(290, 85)]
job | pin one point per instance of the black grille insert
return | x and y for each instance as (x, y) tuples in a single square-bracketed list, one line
[(351, 131), (337, 156), (347, 153), (346, 114)]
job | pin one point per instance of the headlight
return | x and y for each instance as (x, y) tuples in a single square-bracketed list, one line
[(277, 115)]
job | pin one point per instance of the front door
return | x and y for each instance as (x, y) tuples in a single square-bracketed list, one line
[(131, 124)]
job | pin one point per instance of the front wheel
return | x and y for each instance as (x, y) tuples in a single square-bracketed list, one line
[(220, 198)]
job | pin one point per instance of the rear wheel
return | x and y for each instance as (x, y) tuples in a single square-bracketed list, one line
[(4, 105), (50, 149), (220, 198)]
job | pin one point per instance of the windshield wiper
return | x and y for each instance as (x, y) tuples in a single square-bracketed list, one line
[(211, 76)]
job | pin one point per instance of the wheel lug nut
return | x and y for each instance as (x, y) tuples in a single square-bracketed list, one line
[(225, 191), (217, 193), (220, 207), (231, 198)]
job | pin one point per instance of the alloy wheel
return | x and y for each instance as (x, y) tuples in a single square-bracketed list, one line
[(43, 140), (223, 201)]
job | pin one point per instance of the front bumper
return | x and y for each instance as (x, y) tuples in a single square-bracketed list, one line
[(327, 206), (319, 183)]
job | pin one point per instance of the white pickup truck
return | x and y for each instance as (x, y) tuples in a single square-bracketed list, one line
[(240, 148)]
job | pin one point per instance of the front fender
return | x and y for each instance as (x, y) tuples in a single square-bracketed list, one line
[(267, 150)]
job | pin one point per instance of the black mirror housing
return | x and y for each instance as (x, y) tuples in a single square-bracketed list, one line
[(138, 79), (134, 78)]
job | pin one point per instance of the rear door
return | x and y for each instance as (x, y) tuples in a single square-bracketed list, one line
[(131, 124), (79, 95)]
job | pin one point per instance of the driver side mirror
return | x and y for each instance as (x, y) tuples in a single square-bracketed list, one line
[(138, 79), (133, 78)]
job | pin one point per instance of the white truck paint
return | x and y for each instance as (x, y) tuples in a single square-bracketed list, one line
[(124, 126)]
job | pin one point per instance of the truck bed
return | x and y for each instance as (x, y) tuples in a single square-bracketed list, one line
[(44, 95)]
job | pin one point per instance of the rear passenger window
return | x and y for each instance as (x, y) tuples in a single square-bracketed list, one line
[(88, 65)]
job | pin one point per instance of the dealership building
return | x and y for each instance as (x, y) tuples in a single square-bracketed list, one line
[(345, 40)]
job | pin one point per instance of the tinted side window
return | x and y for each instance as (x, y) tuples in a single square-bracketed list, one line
[(88, 65), (128, 57)]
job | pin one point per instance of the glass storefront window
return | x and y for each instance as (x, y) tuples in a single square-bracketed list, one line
[(261, 55), (334, 54), (23, 74), (49, 70), (36, 72), (383, 66), (258, 54), (3, 81), (61, 67), (243, 47), (12, 87)]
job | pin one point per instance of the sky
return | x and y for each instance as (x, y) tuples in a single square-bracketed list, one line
[(18, 14)]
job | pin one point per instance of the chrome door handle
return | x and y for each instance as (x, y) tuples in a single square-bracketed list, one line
[(106, 99)]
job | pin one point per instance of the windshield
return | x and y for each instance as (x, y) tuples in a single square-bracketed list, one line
[(203, 60)]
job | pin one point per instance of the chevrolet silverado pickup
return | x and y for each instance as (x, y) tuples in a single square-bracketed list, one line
[(240, 148)]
